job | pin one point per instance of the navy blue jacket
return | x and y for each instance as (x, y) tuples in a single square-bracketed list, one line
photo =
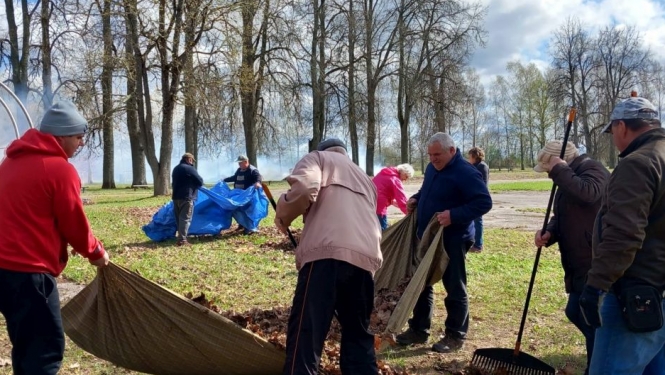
[(458, 187), (186, 181), (245, 179)]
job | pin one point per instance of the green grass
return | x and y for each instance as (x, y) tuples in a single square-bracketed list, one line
[(239, 274), (544, 185)]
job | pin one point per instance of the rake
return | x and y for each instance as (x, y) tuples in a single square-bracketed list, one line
[(513, 361), (274, 207)]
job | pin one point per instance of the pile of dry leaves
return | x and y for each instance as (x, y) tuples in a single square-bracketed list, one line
[(272, 326), (278, 240)]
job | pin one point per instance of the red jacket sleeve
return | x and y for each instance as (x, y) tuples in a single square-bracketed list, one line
[(70, 218), (399, 194)]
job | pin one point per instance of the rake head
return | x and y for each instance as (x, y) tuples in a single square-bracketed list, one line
[(497, 361)]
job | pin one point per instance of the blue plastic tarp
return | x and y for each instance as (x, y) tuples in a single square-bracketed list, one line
[(213, 210)]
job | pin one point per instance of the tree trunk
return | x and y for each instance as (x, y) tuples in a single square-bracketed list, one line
[(353, 126), (19, 61), (170, 69), (248, 83), (439, 113), (135, 137), (371, 126), (47, 94), (371, 88), (108, 182), (189, 83), (317, 75), (402, 101)]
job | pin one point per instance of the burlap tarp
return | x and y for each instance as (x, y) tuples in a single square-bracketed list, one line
[(403, 256), (137, 324)]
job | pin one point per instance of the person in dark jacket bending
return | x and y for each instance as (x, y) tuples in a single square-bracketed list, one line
[(186, 183), (454, 192), (580, 184), (245, 177), (477, 157)]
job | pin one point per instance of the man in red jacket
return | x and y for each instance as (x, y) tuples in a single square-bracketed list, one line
[(41, 213)]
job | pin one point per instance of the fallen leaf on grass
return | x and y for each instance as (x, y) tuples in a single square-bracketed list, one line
[(567, 369)]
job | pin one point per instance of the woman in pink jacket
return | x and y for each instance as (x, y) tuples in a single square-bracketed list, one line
[(390, 190)]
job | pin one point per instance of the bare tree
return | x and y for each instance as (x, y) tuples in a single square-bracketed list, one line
[(621, 57), (20, 51), (47, 95)]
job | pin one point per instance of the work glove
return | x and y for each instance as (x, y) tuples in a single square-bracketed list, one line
[(590, 301)]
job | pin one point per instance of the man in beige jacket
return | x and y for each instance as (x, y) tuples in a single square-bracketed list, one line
[(337, 257)]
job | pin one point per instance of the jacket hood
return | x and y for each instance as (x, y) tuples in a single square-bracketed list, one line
[(389, 171), (35, 142)]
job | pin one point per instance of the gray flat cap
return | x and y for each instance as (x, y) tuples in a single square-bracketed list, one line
[(331, 142)]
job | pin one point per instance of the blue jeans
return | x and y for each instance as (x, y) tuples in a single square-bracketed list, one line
[(478, 223), (619, 351), (383, 220), (574, 314)]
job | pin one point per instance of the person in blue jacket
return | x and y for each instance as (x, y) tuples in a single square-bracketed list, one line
[(454, 191), (186, 183), (245, 177)]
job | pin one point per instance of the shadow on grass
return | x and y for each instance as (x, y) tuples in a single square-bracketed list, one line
[(120, 201), (193, 240), (406, 352)]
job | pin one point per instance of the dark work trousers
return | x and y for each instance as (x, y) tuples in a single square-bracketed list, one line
[(31, 307), (324, 287), (457, 299), (183, 210), (574, 314)]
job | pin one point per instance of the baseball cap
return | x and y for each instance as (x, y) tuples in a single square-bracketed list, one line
[(632, 108), (242, 158)]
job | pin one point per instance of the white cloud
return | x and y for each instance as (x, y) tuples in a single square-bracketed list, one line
[(520, 29)]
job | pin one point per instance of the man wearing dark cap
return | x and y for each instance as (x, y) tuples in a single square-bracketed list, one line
[(336, 259), (41, 214), (624, 287), (186, 183), (245, 177)]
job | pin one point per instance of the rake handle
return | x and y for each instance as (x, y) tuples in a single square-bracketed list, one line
[(274, 206), (518, 343)]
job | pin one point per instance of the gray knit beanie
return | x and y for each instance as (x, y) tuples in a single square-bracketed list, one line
[(63, 119)]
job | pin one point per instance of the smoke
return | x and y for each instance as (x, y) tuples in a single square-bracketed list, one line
[(211, 168)]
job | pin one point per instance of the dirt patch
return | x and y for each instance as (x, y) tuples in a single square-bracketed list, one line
[(510, 210), (67, 290)]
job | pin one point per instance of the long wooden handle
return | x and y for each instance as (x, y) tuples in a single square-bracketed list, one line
[(274, 206), (518, 343)]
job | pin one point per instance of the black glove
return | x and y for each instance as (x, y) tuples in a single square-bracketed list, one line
[(590, 302)]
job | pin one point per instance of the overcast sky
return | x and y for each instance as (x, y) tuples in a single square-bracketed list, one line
[(521, 29)]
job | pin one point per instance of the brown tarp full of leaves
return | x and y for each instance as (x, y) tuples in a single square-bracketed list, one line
[(137, 324), (423, 261)]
